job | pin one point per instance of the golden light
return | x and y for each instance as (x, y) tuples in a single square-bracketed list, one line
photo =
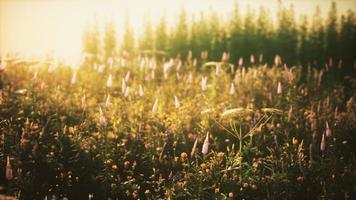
[(40, 28)]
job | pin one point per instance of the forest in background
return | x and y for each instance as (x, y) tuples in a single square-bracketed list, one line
[(299, 40)]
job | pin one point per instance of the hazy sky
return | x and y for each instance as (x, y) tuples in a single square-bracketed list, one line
[(40, 27)]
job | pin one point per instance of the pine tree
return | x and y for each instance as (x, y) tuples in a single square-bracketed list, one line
[(347, 46), (109, 40), (180, 37), (331, 33), (91, 41), (161, 35), (235, 37), (249, 35), (147, 40), (128, 41), (264, 30), (287, 40), (218, 36), (317, 39), (304, 47)]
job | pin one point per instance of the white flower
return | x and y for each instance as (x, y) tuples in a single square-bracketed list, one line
[(109, 81), (217, 69), (102, 119), (194, 148), (74, 78), (205, 148), (140, 91), (279, 88), (83, 101), (252, 59), (277, 60), (232, 89), (123, 85), (127, 91), (203, 83), (107, 102), (241, 61), (127, 77), (176, 102), (243, 72), (155, 106)]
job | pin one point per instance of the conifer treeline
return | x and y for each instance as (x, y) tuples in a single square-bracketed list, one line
[(316, 40)]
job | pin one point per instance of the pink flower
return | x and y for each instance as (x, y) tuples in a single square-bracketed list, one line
[(8, 169), (328, 130), (322, 143)]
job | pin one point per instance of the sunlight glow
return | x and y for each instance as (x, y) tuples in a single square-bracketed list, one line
[(40, 28)]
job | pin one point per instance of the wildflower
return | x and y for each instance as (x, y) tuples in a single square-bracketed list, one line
[(190, 77), (155, 106), (328, 130), (74, 78), (107, 102), (127, 77), (218, 69), (102, 119), (203, 83), (8, 169), (336, 112), (123, 85), (243, 72), (127, 91), (194, 148), (176, 102), (260, 59), (232, 89), (279, 88), (322, 143), (290, 113), (252, 59), (109, 82), (83, 100), (241, 61), (277, 60), (225, 57), (206, 144), (140, 91)]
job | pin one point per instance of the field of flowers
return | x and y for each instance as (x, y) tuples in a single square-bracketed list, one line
[(145, 128)]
